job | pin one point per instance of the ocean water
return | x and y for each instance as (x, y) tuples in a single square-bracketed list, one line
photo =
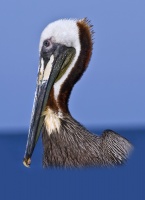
[(126, 182)]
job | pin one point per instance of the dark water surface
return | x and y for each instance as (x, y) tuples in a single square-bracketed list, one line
[(17, 182)]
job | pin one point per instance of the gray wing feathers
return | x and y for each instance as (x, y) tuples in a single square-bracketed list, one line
[(74, 146)]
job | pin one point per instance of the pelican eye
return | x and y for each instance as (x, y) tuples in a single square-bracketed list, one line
[(46, 43)]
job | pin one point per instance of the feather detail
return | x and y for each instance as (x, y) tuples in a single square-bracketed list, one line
[(74, 146)]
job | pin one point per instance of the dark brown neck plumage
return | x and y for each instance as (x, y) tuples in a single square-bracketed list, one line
[(85, 36)]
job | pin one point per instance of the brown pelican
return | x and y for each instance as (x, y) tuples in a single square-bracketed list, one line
[(65, 50)]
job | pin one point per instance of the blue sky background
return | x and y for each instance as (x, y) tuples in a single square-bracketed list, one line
[(111, 92)]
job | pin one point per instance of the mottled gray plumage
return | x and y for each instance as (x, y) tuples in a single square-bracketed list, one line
[(74, 146)]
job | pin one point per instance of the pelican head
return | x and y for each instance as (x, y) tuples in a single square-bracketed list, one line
[(65, 49)]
